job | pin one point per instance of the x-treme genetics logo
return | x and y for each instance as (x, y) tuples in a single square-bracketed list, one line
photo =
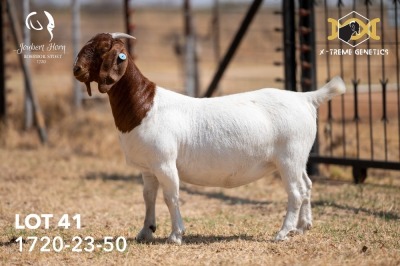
[(354, 29)]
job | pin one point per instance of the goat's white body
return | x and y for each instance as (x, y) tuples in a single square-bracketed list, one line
[(227, 142), (224, 142)]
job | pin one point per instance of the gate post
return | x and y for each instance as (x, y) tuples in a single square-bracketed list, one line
[(307, 59), (359, 174), (289, 44)]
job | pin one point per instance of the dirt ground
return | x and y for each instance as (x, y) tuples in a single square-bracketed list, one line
[(82, 171)]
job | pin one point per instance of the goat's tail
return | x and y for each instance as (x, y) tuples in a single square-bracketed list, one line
[(328, 91)]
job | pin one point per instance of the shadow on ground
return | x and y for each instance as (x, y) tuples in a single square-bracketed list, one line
[(380, 214), (113, 177), (232, 200)]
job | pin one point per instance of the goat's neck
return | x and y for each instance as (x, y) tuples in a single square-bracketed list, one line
[(131, 98)]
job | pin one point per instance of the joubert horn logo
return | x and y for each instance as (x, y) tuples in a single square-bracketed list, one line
[(50, 25), (353, 29)]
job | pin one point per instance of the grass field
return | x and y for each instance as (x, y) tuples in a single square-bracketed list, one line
[(82, 171)]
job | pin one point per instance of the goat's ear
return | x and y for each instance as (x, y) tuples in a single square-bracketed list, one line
[(113, 67)]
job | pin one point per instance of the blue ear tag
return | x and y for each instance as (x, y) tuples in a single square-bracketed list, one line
[(122, 56)]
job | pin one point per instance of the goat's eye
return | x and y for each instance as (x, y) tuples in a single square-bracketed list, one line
[(122, 56)]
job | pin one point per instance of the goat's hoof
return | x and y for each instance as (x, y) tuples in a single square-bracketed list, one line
[(308, 226), (174, 239), (305, 226), (281, 237), (294, 232), (145, 235)]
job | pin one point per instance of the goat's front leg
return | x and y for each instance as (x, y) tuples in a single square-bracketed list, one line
[(169, 180), (150, 188)]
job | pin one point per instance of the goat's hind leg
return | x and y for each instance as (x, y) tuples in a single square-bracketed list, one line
[(295, 187), (305, 217), (150, 188)]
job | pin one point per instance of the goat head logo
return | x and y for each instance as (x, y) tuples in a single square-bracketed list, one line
[(50, 25), (353, 29)]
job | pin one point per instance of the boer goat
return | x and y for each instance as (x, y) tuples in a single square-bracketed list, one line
[(224, 141)]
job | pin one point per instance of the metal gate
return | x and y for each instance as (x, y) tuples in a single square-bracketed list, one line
[(360, 42)]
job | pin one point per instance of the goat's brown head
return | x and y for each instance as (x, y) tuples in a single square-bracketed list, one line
[(103, 59)]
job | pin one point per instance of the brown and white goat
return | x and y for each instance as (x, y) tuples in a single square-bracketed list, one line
[(225, 141)]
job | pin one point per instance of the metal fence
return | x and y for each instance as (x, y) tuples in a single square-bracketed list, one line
[(362, 128)]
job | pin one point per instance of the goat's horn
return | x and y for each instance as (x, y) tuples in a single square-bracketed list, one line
[(117, 35)]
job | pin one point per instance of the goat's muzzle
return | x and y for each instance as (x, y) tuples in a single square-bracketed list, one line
[(82, 76), (77, 71)]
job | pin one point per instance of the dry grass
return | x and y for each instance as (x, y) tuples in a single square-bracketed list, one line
[(82, 170)]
